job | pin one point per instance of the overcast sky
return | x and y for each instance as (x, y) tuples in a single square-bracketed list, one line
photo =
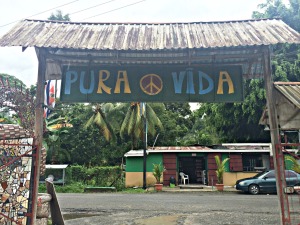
[(24, 66)]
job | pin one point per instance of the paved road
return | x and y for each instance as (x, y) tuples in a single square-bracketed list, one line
[(189, 208)]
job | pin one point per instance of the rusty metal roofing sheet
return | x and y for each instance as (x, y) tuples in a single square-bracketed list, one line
[(291, 90), (182, 148), (148, 36), (202, 149)]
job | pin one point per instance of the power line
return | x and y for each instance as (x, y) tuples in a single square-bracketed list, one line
[(91, 7), (41, 12), (114, 10), (79, 10)]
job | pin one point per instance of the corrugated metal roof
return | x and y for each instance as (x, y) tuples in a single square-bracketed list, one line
[(229, 148), (148, 36), (291, 90)]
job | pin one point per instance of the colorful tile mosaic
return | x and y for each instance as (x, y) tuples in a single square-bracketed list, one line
[(16, 170)]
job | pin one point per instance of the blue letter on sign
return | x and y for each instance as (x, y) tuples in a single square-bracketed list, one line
[(209, 80), (84, 90), (71, 77), (178, 82), (190, 82)]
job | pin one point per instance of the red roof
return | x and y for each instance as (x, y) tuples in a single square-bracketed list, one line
[(183, 148)]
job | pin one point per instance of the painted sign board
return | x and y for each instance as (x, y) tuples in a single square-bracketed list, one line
[(153, 83)]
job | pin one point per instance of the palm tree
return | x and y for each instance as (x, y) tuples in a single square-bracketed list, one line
[(220, 168), (99, 118), (294, 163), (133, 123)]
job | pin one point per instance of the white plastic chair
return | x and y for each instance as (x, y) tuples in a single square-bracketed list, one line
[(184, 177)]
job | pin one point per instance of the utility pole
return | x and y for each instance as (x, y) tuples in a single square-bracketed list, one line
[(143, 113)]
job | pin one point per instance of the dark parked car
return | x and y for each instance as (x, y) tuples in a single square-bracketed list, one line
[(266, 182)]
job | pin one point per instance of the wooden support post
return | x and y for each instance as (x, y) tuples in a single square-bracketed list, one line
[(38, 124), (275, 139)]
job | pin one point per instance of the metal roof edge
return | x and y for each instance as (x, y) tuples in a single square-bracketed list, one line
[(152, 23), (246, 144), (286, 83)]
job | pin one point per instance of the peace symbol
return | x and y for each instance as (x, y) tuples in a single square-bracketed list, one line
[(151, 84)]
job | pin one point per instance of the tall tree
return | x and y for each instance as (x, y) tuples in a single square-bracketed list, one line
[(278, 9), (88, 146), (16, 99), (286, 57), (232, 122), (99, 119), (58, 15), (133, 123), (178, 121), (237, 122)]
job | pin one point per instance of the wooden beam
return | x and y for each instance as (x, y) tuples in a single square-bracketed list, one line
[(275, 139), (163, 59), (38, 124), (56, 215)]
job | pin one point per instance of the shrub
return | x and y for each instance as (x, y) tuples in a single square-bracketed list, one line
[(97, 176)]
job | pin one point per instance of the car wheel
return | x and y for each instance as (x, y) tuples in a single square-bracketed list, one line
[(253, 189)]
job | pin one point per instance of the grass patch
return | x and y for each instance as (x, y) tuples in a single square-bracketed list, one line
[(68, 188), (137, 191), (79, 188)]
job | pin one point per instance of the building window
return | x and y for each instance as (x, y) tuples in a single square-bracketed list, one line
[(252, 162)]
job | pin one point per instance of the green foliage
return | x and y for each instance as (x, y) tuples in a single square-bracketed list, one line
[(294, 164), (277, 9), (55, 129), (136, 191), (88, 147), (177, 121), (76, 173), (133, 123), (99, 119), (157, 172), (75, 187), (286, 58), (78, 177), (220, 168), (59, 16), (13, 81), (239, 122), (21, 105), (97, 176), (42, 188)]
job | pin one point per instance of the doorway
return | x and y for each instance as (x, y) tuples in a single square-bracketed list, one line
[(194, 167)]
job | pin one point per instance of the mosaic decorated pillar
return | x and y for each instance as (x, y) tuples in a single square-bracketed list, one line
[(17, 156)]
